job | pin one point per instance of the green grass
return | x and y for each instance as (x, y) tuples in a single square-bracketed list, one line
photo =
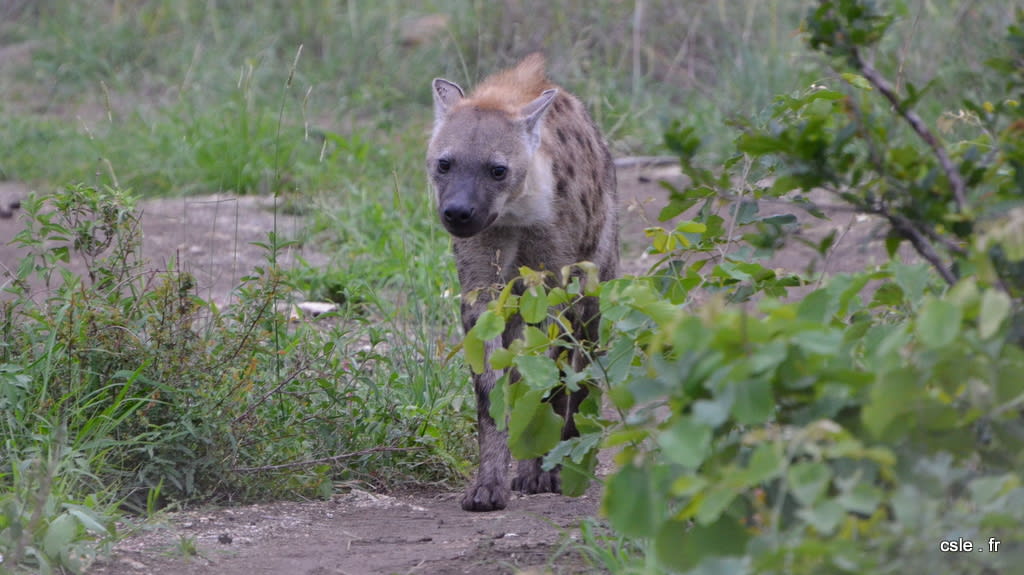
[(186, 96), (327, 103)]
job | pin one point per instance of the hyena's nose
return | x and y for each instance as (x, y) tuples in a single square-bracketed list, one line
[(458, 215)]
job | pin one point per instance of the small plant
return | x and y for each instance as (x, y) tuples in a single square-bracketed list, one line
[(41, 525), (187, 546)]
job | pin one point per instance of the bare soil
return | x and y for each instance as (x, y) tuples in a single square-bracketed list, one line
[(211, 237), (358, 532)]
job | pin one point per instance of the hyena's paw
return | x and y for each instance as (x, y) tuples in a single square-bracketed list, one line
[(485, 496), (530, 478)]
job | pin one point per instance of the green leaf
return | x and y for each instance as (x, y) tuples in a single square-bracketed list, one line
[(474, 348), (88, 518), (779, 220), (713, 412), (995, 308), (822, 342), (857, 81), (938, 323), (758, 144), (889, 295), (576, 476), (558, 296), (535, 338), (862, 498), (488, 326), (538, 371), (685, 485), (681, 547), (661, 240), (691, 227), (533, 304), (816, 306), (893, 395), (746, 212), (906, 505), (686, 442), (824, 517), (892, 244), (764, 464), (626, 435), (60, 533), (912, 278), (501, 358), (754, 402), (808, 481), (675, 207), (631, 505), (533, 428), (985, 490), (714, 503), (498, 406)]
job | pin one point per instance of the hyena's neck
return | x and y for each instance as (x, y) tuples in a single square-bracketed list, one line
[(535, 205)]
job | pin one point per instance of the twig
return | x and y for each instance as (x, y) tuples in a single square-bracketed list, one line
[(956, 182), (831, 250), (738, 203), (267, 395), (915, 231), (908, 230), (330, 459)]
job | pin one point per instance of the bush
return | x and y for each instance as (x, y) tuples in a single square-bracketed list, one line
[(853, 431), (122, 388)]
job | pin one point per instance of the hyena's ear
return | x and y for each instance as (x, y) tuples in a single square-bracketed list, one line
[(533, 115), (446, 95)]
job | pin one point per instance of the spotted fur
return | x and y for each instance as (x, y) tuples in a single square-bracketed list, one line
[(522, 177)]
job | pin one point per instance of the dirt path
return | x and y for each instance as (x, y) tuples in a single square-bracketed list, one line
[(361, 533), (209, 236), (358, 533)]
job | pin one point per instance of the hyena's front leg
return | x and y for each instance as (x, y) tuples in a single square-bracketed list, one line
[(489, 492), (530, 475)]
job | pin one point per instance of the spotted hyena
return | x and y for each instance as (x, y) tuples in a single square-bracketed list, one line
[(523, 178)]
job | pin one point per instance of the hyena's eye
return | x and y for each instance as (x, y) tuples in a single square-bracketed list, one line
[(443, 165), (498, 172)]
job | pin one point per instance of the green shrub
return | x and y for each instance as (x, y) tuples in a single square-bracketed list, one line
[(122, 388), (852, 431)]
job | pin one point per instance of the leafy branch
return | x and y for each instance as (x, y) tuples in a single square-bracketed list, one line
[(956, 181)]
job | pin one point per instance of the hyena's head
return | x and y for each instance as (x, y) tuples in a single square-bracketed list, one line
[(479, 156)]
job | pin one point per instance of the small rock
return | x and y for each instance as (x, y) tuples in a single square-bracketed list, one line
[(224, 539), (315, 308), (133, 564)]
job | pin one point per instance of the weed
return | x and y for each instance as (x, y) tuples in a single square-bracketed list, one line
[(186, 546)]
